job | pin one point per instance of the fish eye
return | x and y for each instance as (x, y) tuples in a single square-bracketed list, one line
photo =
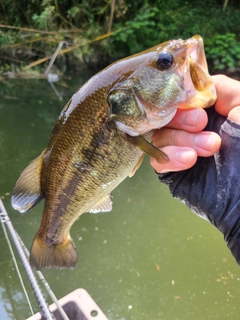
[(164, 60)]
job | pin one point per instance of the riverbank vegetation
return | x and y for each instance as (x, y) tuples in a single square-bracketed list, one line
[(94, 32)]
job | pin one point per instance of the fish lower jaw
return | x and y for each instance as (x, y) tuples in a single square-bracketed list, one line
[(196, 98), (203, 99)]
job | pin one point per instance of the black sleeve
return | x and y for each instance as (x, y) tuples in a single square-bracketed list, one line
[(211, 188)]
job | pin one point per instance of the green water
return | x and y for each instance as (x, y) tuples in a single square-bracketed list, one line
[(150, 258)]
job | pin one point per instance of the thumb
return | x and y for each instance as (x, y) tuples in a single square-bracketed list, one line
[(234, 114)]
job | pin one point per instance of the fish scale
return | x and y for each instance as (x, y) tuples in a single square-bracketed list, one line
[(77, 180), (101, 136)]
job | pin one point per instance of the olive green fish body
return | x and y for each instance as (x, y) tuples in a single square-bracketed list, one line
[(94, 162), (101, 136), (86, 158)]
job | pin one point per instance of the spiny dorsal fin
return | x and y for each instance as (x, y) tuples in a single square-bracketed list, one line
[(27, 191), (104, 205)]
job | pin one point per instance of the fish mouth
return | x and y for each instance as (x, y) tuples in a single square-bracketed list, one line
[(197, 81)]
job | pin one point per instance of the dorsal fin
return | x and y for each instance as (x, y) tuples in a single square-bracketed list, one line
[(104, 205), (27, 191)]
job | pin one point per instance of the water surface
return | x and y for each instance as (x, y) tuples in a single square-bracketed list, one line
[(150, 258)]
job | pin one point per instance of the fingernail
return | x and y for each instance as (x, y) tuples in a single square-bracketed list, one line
[(205, 141), (184, 156), (190, 118)]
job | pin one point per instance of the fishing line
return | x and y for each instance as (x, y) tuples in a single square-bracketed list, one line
[(15, 262), (44, 281), (41, 300)]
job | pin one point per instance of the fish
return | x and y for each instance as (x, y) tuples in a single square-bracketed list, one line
[(101, 137)]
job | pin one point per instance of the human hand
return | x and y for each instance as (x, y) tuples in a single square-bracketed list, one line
[(183, 139), (210, 188)]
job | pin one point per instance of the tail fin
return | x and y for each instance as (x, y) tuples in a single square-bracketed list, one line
[(53, 255)]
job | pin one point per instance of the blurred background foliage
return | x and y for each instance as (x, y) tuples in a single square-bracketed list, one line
[(98, 32)]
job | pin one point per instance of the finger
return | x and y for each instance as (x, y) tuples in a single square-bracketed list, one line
[(180, 158), (228, 96), (205, 143), (192, 120), (234, 114)]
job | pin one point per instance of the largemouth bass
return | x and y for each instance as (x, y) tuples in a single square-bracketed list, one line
[(101, 136)]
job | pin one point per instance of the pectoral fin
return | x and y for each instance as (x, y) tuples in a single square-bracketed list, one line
[(27, 191), (104, 205), (148, 148)]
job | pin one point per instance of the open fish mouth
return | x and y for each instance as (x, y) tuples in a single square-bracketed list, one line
[(197, 81), (198, 64), (200, 79), (196, 50)]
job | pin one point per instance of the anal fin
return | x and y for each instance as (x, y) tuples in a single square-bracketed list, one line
[(104, 205), (27, 191)]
